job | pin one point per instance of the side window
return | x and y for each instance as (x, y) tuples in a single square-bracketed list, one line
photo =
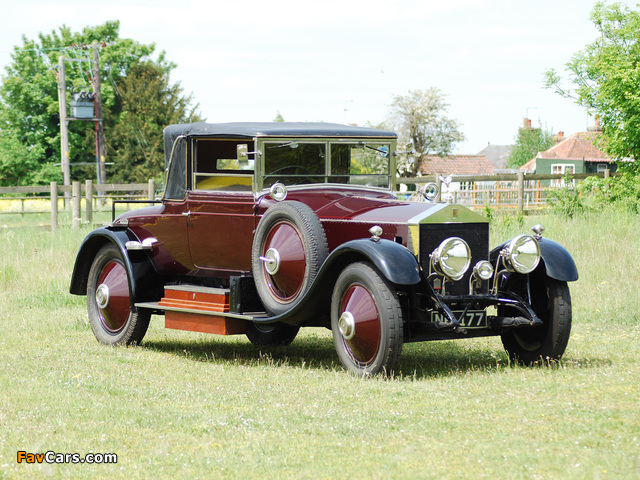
[(215, 166)]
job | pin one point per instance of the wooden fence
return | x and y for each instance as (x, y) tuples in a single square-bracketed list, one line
[(71, 196), (518, 191)]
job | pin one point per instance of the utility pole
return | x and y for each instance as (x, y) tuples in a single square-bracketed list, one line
[(64, 135), (100, 140)]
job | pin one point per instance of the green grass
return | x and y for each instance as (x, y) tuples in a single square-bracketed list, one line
[(201, 406)]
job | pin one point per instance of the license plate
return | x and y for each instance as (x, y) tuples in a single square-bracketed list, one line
[(470, 319)]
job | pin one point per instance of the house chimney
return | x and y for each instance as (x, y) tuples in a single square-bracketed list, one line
[(527, 123), (597, 127), (559, 137)]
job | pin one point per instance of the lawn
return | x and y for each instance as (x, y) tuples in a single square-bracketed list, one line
[(201, 406)]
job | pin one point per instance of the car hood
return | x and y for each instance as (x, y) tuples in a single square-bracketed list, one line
[(379, 210)]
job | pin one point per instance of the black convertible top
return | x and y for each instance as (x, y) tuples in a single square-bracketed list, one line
[(175, 150), (273, 129)]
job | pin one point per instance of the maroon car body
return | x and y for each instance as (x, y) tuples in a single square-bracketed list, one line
[(264, 228)]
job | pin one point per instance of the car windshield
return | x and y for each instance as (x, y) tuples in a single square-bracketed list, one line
[(354, 163)]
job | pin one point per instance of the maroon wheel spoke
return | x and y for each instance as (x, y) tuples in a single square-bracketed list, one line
[(112, 296), (365, 341)]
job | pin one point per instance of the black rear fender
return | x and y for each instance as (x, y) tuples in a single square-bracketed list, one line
[(145, 283)]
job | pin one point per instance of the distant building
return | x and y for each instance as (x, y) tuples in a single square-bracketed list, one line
[(497, 156), (574, 154), (456, 165)]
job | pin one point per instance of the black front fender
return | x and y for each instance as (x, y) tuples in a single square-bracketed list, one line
[(395, 263), (555, 260)]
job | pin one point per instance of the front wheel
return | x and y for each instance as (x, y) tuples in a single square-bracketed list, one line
[(551, 301), (112, 315), (366, 321)]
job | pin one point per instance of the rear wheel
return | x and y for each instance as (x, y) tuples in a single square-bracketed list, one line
[(366, 321), (112, 315), (551, 301)]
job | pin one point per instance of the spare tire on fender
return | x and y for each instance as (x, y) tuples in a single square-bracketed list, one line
[(289, 248)]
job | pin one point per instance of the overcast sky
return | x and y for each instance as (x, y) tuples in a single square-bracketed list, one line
[(343, 61)]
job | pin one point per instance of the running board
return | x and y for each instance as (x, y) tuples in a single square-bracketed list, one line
[(199, 309)]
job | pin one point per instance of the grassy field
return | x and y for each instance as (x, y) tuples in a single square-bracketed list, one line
[(198, 406)]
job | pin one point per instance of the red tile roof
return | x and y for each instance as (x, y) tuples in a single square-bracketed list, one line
[(456, 165), (579, 146)]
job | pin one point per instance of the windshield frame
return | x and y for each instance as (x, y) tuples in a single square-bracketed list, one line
[(265, 144)]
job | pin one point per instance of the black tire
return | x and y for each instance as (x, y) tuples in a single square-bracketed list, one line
[(551, 301), (271, 335), (370, 341), (112, 315), (294, 232)]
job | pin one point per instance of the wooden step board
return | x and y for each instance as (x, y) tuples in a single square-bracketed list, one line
[(194, 308)]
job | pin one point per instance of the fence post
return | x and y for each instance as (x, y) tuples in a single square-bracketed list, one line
[(75, 205), (88, 187), (54, 205), (520, 191), (152, 190)]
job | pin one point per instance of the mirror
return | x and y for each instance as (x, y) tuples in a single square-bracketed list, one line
[(242, 154)]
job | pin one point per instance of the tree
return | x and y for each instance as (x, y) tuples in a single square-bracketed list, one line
[(29, 113), (606, 77), (419, 118), (145, 104), (529, 142)]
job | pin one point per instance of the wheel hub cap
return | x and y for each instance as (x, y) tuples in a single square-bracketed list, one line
[(271, 261), (347, 325), (102, 295)]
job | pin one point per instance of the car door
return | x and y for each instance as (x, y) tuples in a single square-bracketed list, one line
[(221, 208), (221, 227)]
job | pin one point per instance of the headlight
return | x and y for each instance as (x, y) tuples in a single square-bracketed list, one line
[(451, 258), (483, 270), (522, 255)]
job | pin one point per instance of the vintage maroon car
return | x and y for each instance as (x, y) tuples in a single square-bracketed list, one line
[(264, 228)]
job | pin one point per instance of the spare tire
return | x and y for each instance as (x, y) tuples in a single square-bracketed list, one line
[(289, 248)]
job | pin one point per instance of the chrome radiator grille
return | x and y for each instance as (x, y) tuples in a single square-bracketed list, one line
[(475, 234)]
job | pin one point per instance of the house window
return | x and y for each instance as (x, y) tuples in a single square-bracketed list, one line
[(602, 167), (562, 169)]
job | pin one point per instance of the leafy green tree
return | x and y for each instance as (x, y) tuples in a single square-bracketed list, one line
[(29, 112), (529, 142), (420, 118), (145, 104), (606, 80)]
